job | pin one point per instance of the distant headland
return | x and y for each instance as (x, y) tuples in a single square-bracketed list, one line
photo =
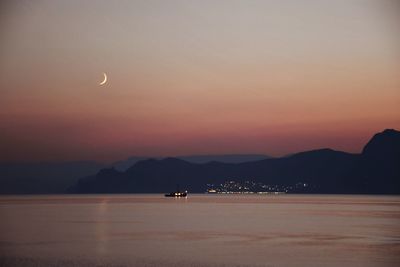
[(376, 170)]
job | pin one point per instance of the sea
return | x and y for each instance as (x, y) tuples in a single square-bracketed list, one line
[(200, 230)]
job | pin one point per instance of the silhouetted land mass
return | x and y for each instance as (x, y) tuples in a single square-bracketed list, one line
[(229, 158), (43, 177), (56, 177), (375, 171)]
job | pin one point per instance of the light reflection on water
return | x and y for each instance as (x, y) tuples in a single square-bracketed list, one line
[(202, 230), (102, 232)]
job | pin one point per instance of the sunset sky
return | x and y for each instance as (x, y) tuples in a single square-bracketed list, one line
[(195, 77)]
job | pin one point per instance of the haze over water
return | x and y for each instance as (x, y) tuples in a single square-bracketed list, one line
[(201, 230)]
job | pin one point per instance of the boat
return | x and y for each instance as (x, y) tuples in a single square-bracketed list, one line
[(177, 193)]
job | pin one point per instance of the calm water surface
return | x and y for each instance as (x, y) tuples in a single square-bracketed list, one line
[(201, 230)]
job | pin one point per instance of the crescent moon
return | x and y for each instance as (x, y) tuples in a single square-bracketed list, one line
[(104, 80)]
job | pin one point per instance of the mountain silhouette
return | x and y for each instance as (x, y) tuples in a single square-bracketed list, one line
[(123, 165), (43, 177), (374, 171), (379, 164), (383, 146), (56, 177)]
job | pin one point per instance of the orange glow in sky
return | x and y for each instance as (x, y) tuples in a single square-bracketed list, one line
[(195, 77)]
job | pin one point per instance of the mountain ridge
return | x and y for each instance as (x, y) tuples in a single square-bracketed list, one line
[(328, 170), (225, 158)]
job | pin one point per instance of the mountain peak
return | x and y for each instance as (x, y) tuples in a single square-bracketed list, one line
[(385, 142), (390, 131), (317, 153)]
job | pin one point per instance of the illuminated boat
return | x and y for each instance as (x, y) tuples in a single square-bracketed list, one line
[(177, 193)]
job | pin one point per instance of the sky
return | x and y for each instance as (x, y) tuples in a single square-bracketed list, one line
[(195, 77)]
